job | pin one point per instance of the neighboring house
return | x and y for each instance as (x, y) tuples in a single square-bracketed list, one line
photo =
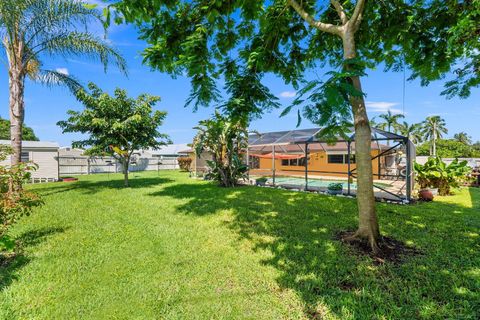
[(168, 151), (42, 153), (472, 162), (70, 152)]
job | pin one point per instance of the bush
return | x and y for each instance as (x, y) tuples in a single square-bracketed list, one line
[(436, 174), (335, 186), (14, 201), (225, 139), (184, 163)]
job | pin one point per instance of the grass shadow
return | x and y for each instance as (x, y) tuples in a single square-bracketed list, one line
[(10, 265), (95, 186), (297, 230)]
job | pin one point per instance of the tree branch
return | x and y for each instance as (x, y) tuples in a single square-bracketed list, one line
[(357, 13), (325, 27), (340, 11)]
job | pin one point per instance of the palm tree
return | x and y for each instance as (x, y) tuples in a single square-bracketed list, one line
[(411, 131), (390, 121), (33, 29), (463, 137), (432, 129)]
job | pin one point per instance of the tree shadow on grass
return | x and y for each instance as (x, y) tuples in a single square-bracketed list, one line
[(297, 230), (95, 186), (11, 264)]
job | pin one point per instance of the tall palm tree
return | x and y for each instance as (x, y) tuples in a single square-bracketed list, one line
[(411, 131), (432, 129), (463, 137), (33, 29), (390, 121)]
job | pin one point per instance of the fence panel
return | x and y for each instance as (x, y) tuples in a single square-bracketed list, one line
[(69, 165)]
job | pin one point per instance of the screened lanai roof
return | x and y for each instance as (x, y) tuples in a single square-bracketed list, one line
[(303, 136)]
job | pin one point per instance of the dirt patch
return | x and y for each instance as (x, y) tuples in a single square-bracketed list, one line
[(391, 250)]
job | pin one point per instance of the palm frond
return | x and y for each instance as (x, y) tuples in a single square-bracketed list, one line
[(43, 17), (52, 78), (84, 44)]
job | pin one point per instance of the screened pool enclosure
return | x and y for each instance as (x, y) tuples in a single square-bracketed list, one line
[(300, 159)]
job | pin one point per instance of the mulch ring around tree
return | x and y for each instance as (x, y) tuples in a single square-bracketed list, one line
[(391, 250)]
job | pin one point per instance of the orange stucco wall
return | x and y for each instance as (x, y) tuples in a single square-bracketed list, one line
[(318, 162)]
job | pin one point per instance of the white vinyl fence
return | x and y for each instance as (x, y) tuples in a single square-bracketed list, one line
[(77, 165)]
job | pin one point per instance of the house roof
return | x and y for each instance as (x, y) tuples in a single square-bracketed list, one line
[(35, 144), (302, 136), (170, 149)]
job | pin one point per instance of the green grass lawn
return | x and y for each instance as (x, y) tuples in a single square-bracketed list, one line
[(170, 247)]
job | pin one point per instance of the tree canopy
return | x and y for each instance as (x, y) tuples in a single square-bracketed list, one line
[(449, 148), (116, 125), (28, 133)]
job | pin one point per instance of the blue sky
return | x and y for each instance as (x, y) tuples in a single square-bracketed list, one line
[(45, 106)]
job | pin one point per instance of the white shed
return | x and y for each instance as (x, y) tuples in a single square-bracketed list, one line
[(44, 154)]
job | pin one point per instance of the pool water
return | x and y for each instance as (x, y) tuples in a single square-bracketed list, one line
[(311, 182)]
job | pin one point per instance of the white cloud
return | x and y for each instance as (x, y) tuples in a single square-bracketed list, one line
[(382, 106), (287, 94), (63, 71)]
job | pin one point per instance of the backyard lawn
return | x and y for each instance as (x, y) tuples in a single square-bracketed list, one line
[(170, 247)]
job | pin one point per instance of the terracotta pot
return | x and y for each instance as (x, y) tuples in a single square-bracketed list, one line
[(425, 194)]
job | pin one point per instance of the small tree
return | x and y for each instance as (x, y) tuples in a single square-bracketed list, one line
[(14, 202), (117, 125), (225, 139)]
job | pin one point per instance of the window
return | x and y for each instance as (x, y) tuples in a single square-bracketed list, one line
[(340, 158), (336, 158), (352, 158), (294, 162), (25, 156)]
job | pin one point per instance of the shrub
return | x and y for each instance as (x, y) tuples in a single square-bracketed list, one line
[(436, 174), (14, 202), (261, 180), (335, 186), (225, 139), (184, 163)]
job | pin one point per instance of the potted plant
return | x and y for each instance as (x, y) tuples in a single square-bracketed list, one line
[(261, 181), (437, 178), (335, 188)]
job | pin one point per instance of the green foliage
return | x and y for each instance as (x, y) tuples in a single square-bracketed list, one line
[(184, 163), (224, 139), (28, 133), (261, 180), (449, 148), (327, 103), (445, 39), (116, 125), (337, 186), (436, 174), (14, 202)]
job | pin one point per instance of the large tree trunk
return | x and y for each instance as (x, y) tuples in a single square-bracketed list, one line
[(368, 224), (17, 111)]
